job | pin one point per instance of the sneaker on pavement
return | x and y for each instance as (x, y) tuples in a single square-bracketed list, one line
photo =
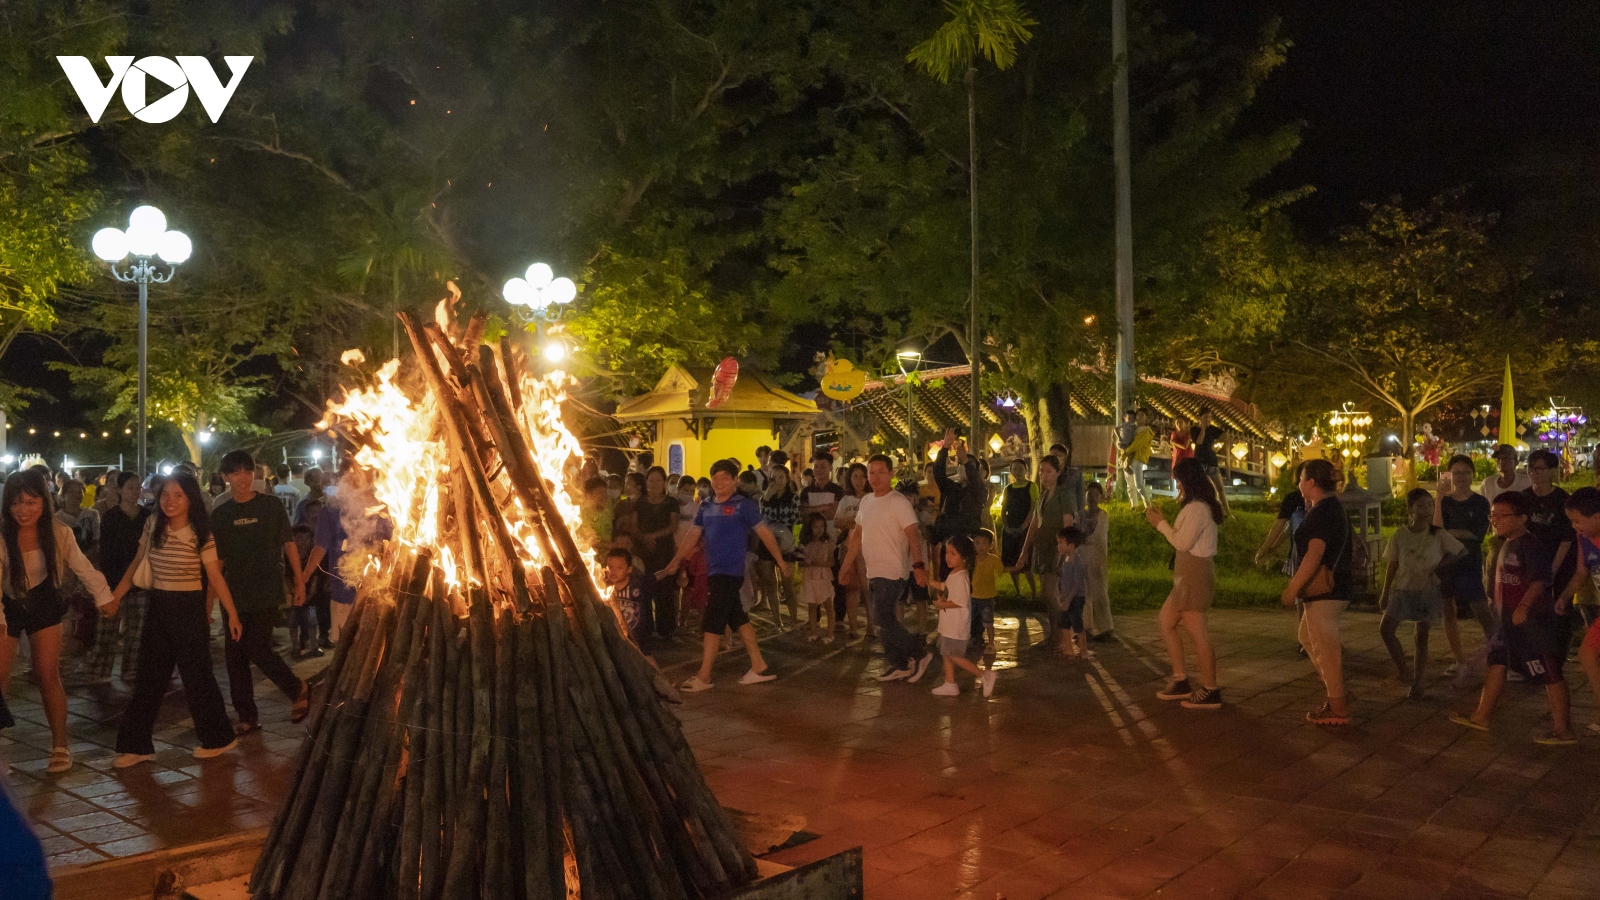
[(988, 681), (214, 752), (1176, 689), (948, 689), (129, 760), (895, 675), (754, 677), (1204, 698), (922, 667)]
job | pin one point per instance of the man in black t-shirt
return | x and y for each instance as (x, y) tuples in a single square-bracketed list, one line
[(1547, 521), (1464, 513), (1205, 436), (1323, 542)]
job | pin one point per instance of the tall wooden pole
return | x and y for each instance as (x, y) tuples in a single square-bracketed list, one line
[(1126, 395)]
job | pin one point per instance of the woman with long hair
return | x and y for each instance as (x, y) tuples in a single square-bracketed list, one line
[(1193, 536), (183, 563), (1322, 581), (1057, 508), (39, 549), (780, 506), (121, 525), (850, 588)]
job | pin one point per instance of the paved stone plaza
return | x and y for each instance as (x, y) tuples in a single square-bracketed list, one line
[(1073, 781)]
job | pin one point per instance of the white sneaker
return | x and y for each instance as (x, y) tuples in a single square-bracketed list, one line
[(988, 681), (214, 752), (922, 667), (894, 675), (754, 677), (948, 689), (129, 760)]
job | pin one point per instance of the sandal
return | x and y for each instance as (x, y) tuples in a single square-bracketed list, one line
[(244, 728), (1555, 740), (60, 760), (1326, 716), (1465, 722), (302, 706)]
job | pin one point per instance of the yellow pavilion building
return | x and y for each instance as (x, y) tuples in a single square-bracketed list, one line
[(687, 436)]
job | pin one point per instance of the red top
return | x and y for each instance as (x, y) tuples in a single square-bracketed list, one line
[(1182, 447)]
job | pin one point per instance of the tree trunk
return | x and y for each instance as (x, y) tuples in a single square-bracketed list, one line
[(1028, 406), (1408, 423)]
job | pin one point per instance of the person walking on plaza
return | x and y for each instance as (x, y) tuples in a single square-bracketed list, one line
[(1055, 511), (1411, 585), (120, 529), (725, 523), (886, 537), (1547, 521), (1017, 501), (39, 551), (1182, 442), (1506, 477), (1583, 512), (853, 588), (985, 587), (780, 507), (656, 542), (1526, 637), (1291, 512), (1095, 553), (1204, 436), (1193, 536), (955, 624), (816, 577), (253, 538), (1464, 514), (1323, 582), (345, 525), (181, 557)]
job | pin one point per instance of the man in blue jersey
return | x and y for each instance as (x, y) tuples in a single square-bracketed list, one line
[(725, 522)]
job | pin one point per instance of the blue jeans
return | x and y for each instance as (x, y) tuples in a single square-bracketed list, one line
[(898, 644)]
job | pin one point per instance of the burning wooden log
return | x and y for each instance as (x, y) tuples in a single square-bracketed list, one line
[(519, 751)]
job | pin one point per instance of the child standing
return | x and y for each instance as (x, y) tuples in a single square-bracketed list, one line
[(1411, 584), (985, 578), (816, 575), (1072, 582), (954, 618), (630, 591), (1096, 550), (595, 518)]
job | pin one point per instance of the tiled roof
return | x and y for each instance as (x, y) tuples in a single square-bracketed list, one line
[(943, 399)]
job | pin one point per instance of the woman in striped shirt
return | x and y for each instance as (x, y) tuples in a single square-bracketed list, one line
[(177, 629)]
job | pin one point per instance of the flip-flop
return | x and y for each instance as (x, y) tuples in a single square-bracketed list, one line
[(1465, 722), (60, 760), (693, 685), (1551, 740), (1326, 716)]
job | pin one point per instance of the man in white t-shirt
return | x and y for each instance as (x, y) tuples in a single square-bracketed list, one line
[(1508, 478), (886, 537)]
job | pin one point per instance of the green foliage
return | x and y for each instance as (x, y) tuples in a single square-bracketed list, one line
[(992, 29)]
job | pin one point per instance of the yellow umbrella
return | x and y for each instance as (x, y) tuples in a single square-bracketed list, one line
[(1508, 410)]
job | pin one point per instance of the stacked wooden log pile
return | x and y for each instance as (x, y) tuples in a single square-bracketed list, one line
[(520, 750)]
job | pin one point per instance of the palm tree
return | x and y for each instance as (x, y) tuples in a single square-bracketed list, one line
[(400, 243), (994, 28)]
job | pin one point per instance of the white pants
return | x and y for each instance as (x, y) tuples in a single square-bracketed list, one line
[(1319, 634)]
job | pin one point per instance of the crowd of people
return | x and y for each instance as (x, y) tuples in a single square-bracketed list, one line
[(123, 575)]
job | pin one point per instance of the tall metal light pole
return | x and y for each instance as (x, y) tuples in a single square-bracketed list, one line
[(1126, 394), (146, 236), (539, 297), (975, 332), (913, 357)]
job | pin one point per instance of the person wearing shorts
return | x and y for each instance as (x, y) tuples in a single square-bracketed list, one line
[(1410, 587), (725, 522), (1526, 638), (1464, 514)]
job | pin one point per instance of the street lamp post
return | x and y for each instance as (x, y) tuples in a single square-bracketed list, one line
[(914, 358), (539, 298), (146, 237)]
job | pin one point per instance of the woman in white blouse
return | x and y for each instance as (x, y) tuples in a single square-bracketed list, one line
[(35, 596), (1193, 535)]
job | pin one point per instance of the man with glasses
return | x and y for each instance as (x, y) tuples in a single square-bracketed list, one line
[(1526, 636), (1547, 520)]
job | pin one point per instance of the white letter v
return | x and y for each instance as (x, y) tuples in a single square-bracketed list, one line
[(91, 93), (214, 96)]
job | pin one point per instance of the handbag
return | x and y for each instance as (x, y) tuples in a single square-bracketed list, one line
[(1320, 587)]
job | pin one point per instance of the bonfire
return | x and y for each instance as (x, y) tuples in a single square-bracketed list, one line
[(486, 728)]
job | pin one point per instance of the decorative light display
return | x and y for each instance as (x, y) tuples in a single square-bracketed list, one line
[(1349, 426)]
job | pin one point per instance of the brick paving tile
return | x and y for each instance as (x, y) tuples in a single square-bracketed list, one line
[(1073, 781)]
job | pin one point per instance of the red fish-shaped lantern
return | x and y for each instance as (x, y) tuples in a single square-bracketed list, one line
[(722, 381)]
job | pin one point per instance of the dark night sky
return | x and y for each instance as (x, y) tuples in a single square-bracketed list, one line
[(1407, 98), (1415, 98)]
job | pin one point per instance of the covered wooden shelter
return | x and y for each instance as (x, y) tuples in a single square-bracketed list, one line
[(687, 435)]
